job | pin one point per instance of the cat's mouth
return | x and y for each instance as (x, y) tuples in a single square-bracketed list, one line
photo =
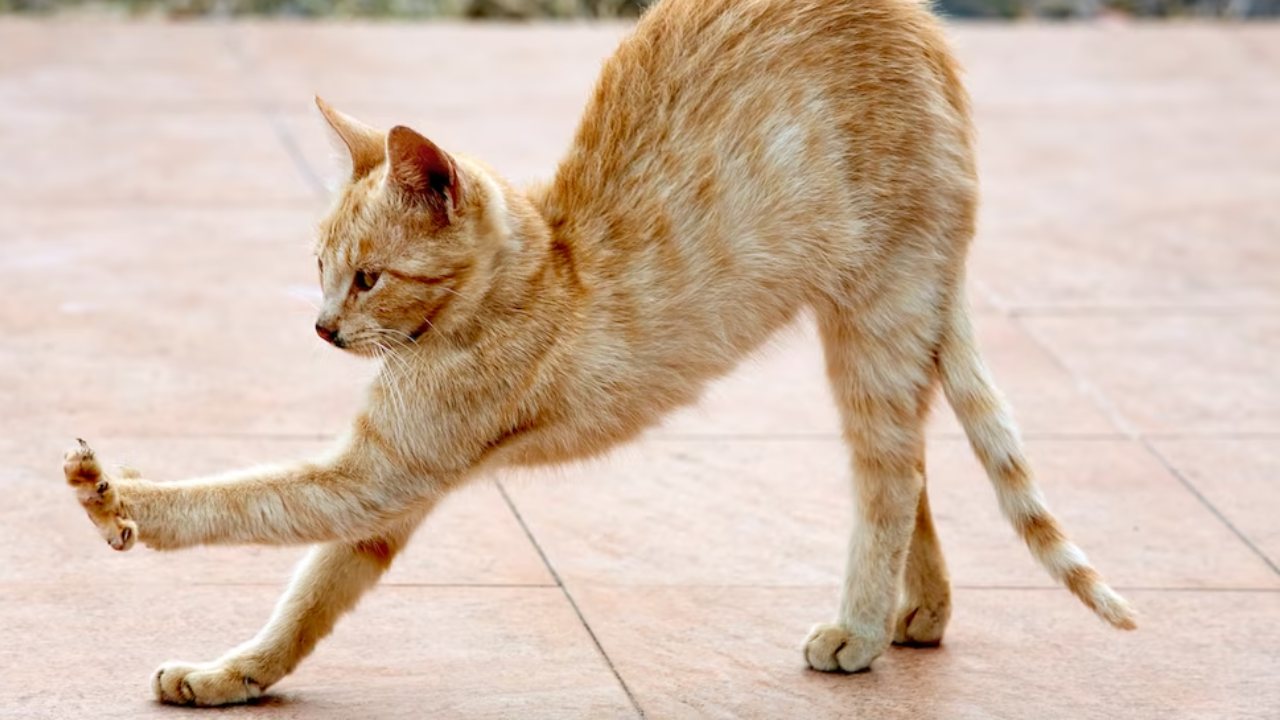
[(363, 349), (366, 344)]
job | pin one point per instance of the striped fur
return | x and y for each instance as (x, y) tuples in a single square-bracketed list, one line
[(989, 424)]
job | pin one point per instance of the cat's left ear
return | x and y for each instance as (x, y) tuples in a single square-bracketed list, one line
[(363, 143), (422, 172)]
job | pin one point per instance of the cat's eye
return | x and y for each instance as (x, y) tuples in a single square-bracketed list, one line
[(366, 279)]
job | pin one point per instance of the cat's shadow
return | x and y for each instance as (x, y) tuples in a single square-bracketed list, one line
[(265, 702)]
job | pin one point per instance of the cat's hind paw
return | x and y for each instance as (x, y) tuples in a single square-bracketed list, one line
[(921, 624), (98, 497), (834, 648), (207, 685)]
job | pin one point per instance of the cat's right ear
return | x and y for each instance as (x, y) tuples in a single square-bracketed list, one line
[(363, 145)]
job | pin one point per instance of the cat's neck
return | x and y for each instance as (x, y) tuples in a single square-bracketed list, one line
[(525, 293)]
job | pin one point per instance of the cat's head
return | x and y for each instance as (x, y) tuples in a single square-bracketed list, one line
[(411, 243)]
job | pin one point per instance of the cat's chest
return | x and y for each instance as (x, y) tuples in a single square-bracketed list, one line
[(443, 413)]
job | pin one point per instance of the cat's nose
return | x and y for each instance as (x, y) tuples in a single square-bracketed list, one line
[(329, 334)]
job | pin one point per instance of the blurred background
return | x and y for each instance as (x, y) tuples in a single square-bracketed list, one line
[(533, 9), (161, 174)]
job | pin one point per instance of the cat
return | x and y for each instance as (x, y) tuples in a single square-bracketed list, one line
[(740, 162)]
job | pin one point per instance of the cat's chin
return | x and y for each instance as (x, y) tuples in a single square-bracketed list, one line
[(367, 351)]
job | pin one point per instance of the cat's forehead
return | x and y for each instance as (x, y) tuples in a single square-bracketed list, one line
[(346, 230)]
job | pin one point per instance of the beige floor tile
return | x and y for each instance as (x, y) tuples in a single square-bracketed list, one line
[(56, 158), (734, 653), (1201, 373), (120, 69), (404, 653), (473, 538), (1127, 169), (778, 513), (1136, 66), (197, 321), (1091, 170), (1240, 477), (1200, 258)]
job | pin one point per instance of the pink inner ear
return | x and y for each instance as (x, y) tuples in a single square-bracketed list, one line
[(420, 168)]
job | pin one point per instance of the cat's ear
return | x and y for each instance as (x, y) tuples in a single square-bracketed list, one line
[(420, 170), (363, 144)]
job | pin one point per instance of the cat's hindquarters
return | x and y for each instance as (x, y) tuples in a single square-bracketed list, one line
[(988, 422)]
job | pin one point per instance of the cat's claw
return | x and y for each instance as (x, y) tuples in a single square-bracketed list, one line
[(98, 497), (208, 685), (834, 648)]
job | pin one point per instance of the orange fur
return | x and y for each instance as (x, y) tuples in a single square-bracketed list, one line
[(740, 160)]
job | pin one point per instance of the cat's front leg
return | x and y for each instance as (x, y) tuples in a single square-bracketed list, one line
[(357, 503), (327, 584), (348, 496)]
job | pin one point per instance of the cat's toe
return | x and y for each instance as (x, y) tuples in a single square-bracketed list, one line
[(97, 494), (84, 473), (80, 466), (167, 683), (120, 533), (921, 624), (834, 648), (207, 685)]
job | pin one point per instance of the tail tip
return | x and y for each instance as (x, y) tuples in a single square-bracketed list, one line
[(1114, 609), (1124, 622)]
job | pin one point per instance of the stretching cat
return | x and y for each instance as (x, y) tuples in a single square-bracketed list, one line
[(739, 161)]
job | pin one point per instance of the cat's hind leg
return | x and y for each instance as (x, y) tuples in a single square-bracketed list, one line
[(327, 584), (879, 361), (925, 605)]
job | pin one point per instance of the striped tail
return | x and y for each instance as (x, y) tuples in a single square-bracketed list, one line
[(988, 422)]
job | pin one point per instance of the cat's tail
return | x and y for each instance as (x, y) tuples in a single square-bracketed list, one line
[(988, 422)]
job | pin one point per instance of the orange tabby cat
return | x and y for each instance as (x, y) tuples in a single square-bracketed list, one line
[(740, 161)]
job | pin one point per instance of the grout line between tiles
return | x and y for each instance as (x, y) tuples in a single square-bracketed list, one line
[(831, 587), (506, 497), (834, 586), (1113, 413), (268, 436), (1041, 311), (1190, 486), (288, 142), (240, 205), (481, 586), (710, 437), (827, 587), (834, 437), (1129, 588), (1012, 310)]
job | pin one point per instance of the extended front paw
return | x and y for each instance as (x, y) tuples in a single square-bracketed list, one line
[(98, 497), (207, 685), (835, 648)]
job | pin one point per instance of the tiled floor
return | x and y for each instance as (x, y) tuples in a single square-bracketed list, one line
[(157, 188)]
